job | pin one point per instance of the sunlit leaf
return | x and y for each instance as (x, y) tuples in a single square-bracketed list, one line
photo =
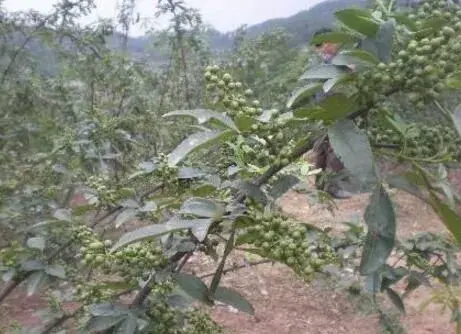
[(381, 222), (202, 207), (152, 231), (204, 115), (267, 115), (195, 141), (36, 242), (231, 297), (358, 20), (323, 72), (185, 173), (303, 94), (125, 216), (56, 270), (332, 83), (356, 57), (63, 214)]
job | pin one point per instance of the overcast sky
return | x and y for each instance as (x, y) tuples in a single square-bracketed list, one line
[(225, 15)]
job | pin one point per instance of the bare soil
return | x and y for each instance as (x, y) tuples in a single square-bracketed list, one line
[(284, 304)]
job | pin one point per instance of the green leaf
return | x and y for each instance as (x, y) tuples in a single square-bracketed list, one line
[(250, 190), (200, 227), (396, 299), (36, 242), (331, 83), (104, 323), (454, 80), (128, 326), (380, 219), (152, 231), (56, 270), (202, 207), (373, 283), (402, 183), (449, 217), (402, 18), (357, 57), (192, 285), (203, 190), (334, 37), (194, 142), (125, 216), (302, 94), (32, 265), (149, 206), (34, 282), (358, 20), (204, 115), (456, 117), (282, 185), (244, 122), (332, 108), (107, 309), (353, 148), (323, 72), (63, 214), (185, 173), (231, 297), (337, 106), (385, 40), (431, 25)]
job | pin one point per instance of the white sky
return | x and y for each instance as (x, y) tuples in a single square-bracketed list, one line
[(224, 15)]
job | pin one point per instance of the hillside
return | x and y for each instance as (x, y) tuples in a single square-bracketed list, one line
[(300, 26)]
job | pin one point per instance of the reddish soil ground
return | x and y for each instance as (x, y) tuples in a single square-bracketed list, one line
[(286, 305)]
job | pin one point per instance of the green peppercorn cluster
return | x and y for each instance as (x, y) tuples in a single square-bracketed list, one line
[(286, 241), (12, 256), (130, 262), (135, 259), (107, 195), (91, 293), (271, 142), (165, 171), (164, 319), (420, 141), (199, 322), (231, 94), (423, 62)]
